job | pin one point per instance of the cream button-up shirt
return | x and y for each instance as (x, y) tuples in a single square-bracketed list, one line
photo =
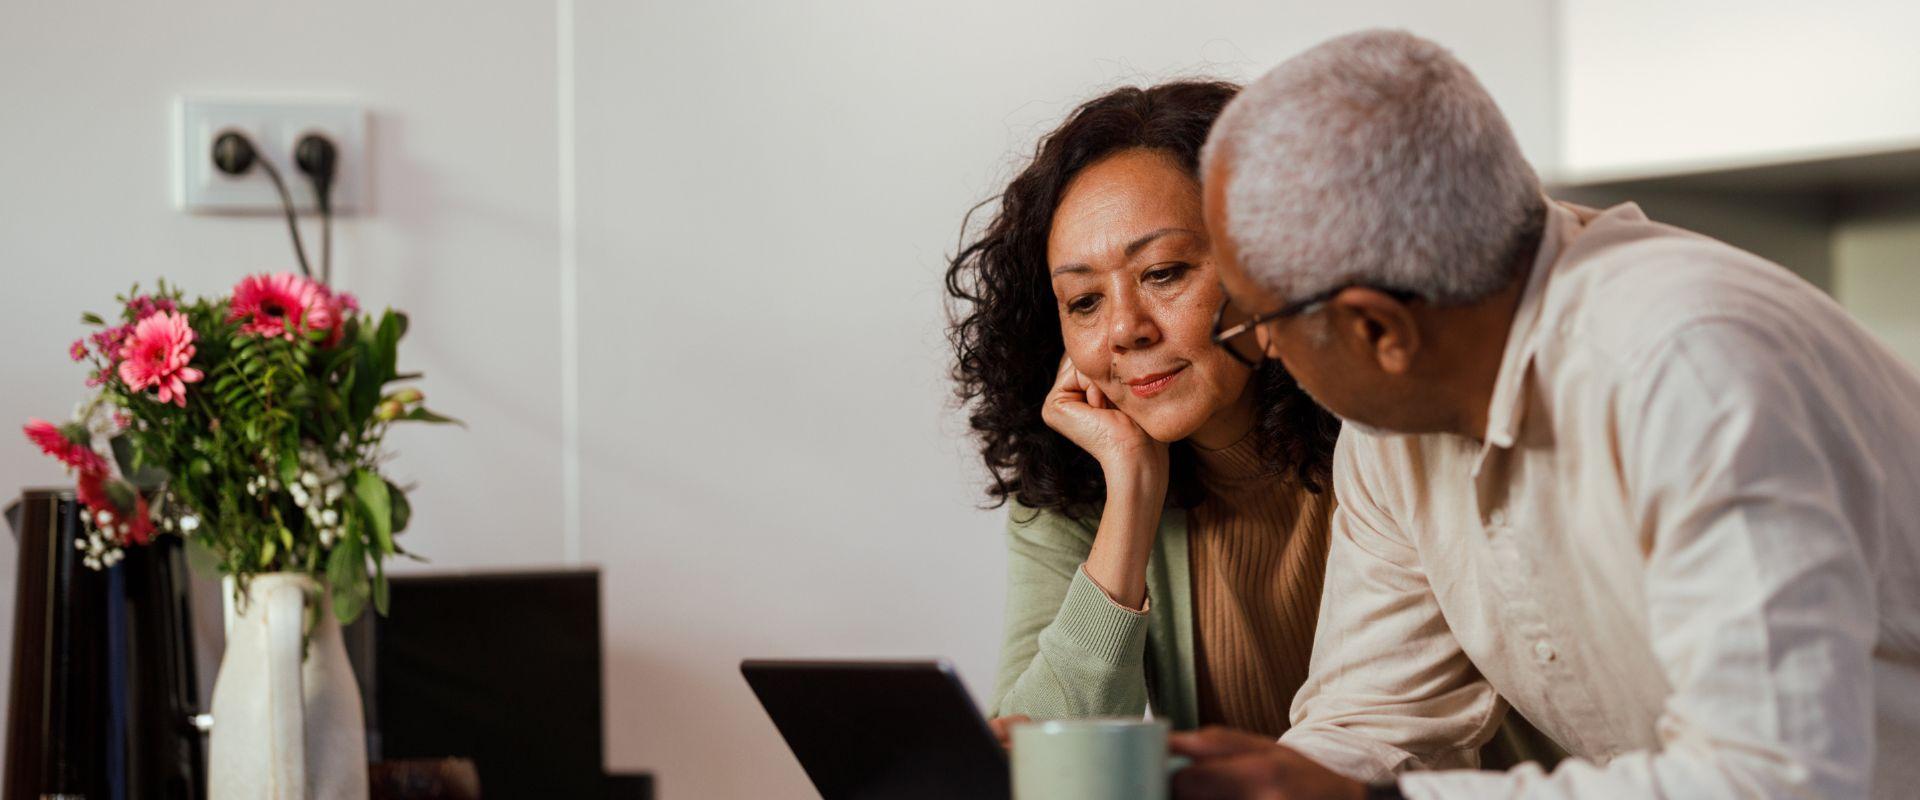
[(1688, 548)]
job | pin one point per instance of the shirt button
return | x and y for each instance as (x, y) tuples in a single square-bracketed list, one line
[(1544, 652), (1498, 518)]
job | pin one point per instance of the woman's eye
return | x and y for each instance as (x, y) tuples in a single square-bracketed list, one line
[(1167, 273), (1082, 304)]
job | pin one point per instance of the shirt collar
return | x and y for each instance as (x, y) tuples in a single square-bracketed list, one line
[(1523, 338)]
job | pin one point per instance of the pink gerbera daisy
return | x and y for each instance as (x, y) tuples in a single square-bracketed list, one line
[(156, 355), (282, 305), (69, 444)]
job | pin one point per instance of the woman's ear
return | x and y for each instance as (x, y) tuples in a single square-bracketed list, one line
[(1378, 326)]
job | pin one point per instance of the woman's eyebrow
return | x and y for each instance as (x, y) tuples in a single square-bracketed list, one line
[(1131, 248), (1135, 245)]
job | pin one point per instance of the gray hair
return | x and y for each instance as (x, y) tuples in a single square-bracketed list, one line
[(1374, 158)]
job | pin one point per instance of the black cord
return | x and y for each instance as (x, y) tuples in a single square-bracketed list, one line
[(318, 159), (326, 239), (286, 205)]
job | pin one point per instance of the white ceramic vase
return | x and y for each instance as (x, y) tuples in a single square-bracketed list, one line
[(285, 727)]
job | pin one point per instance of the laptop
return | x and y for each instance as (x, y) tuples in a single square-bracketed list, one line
[(880, 730)]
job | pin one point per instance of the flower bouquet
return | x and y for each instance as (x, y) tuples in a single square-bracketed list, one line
[(252, 425)]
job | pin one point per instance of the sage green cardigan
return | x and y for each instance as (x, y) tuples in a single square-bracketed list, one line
[(1072, 652)]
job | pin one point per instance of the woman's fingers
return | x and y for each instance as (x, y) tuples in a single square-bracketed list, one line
[(1003, 727), (1067, 380), (1071, 381), (1078, 380), (1066, 372)]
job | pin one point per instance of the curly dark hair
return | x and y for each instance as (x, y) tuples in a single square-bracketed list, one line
[(1006, 334)]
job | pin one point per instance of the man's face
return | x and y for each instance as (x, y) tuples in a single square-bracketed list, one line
[(1336, 367)]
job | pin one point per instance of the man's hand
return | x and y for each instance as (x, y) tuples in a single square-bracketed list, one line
[(1236, 765), (1003, 727)]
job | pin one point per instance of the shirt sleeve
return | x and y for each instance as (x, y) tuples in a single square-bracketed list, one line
[(1761, 604), (1069, 649), (1388, 688)]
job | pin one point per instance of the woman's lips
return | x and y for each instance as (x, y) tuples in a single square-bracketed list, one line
[(1150, 385)]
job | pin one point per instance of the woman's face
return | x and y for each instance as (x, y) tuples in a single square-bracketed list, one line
[(1134, 285)]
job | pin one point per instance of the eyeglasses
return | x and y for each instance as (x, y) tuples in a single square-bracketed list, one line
[(1225, 338)]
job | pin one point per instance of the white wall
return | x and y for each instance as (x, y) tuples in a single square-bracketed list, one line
[(767, 464), (1653, 86), (1874, 244)]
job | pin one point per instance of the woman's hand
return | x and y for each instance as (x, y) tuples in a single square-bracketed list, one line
[(1078, 410), (1135, 466)]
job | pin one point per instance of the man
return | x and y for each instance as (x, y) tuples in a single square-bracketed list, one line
[(1658, 494)]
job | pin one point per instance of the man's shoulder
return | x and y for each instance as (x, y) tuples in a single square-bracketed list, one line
[(1627, 287)]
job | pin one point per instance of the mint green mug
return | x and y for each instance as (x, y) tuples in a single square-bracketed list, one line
[(1092, 759)]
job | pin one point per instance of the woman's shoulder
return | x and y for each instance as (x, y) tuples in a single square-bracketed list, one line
[(1052, 524), (1042, 521)]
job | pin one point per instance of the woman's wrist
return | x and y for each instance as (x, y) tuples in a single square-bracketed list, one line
[(1137, 482), (1128, 524), (1136, 495)]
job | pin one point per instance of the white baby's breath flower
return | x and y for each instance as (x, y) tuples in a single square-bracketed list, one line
[(189, 523)]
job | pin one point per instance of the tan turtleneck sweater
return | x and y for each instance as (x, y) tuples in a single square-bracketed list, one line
[(1258, 547)]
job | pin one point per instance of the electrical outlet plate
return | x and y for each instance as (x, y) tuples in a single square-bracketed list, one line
[(275, 127)]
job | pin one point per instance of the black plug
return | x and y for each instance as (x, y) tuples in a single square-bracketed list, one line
[(233, 153), (318, 159)]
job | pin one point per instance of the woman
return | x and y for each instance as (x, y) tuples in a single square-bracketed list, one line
[(1169, 504)]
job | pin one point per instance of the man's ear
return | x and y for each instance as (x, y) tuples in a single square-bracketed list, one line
[(1378, 326)]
